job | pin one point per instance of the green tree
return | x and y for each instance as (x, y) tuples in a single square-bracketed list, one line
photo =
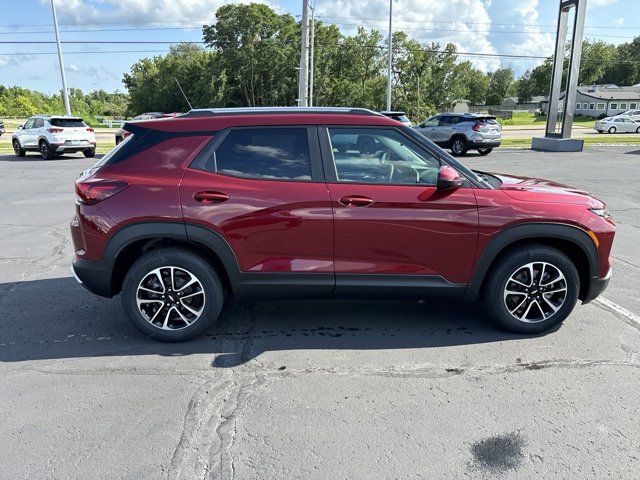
[(500, 82)]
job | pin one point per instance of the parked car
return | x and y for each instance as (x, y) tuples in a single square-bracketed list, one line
[(1, 127), (398, 116), (121, 134), (53, 136), (617, 124), (463, 132), (265, 203), (632, 114)]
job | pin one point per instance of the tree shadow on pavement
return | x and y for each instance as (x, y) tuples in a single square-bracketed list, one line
[(57, 318)]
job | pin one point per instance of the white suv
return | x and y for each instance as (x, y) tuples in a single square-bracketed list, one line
[(52, 136)]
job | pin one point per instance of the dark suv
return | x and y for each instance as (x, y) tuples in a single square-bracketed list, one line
[(324, 203)]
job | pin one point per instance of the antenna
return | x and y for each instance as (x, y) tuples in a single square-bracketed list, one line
[(185, 96)]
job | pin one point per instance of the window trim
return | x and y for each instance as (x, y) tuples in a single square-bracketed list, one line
[(592, 106), (585, 105), (601, 106), (625, 106), (317, 174), (634, 107), (611, 106)]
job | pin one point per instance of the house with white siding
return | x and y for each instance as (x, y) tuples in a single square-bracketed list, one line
[(603, 100)]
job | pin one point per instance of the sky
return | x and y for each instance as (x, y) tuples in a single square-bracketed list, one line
[(504, 27)]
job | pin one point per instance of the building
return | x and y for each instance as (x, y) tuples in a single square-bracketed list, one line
[(603, 100)]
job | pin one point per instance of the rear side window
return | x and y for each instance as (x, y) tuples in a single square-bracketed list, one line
[(67, 122), (265, 153)]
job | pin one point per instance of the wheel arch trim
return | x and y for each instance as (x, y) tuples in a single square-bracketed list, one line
[(530, 231)]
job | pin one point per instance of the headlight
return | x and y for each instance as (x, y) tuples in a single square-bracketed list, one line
[(601, 212)]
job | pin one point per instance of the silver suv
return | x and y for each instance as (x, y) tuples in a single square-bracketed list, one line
[(461, 132)]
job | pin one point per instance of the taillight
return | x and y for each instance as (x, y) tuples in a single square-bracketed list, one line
[(90, 129), (55, 130), (477, 127), (96, 190)]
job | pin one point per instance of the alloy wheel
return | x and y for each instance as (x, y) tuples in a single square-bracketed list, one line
[(458, 146), (535, 292), (170, 298), (44, 149), (16, 147)]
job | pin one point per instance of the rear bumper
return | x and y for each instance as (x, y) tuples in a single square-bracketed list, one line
[(64, 148), (484, 143), (94, 276), (596, 287)]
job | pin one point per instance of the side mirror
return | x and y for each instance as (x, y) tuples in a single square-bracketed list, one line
[(448, 178), (20, 127)]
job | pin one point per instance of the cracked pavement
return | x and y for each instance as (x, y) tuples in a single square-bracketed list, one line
[(314, 390)]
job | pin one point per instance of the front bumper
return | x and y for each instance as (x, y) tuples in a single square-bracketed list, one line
[(94, 276), (596, 287)]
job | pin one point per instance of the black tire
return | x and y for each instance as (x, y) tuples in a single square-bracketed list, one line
[(612, 130), (118, 140), (17, 149), (485, 151), (90, 153), (193, 264), (46, 151), (459, 146), (638, 130), (499, 278)]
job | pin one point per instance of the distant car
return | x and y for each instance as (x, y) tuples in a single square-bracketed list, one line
[(53, 136), (632, 114), (617, 124), (1, 127), (462, 132), (399, 116), (121, 134)]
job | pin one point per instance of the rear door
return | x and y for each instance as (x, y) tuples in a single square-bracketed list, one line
[(393, 228), (262, 189)]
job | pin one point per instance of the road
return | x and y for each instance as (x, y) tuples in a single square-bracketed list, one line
[(314, 390)]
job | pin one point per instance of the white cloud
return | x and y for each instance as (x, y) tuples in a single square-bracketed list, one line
[(600, 3), (462, 22), (188, 12), (618, 21)]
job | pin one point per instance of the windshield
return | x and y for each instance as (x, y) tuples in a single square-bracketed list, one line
[(67, 122)]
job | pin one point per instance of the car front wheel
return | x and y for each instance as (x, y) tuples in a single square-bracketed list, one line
[(485, 151), (17, 149), (532, 289), (172, 295)]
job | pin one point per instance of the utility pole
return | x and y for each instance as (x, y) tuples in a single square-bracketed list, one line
[(65, 92), (311, 60), (303, 79), (389, 59)]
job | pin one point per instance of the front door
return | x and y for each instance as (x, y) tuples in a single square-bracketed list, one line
[(28, 137), (392, 226), (262, 189)]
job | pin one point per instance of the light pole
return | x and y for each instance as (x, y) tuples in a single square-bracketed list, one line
[(389, 59), (311, 53), (303, 79), (65, 92)]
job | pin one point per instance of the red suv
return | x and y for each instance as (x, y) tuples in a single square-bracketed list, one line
[(324, 203)]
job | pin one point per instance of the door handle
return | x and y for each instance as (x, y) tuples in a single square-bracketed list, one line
[(355, 201), (210, 197)]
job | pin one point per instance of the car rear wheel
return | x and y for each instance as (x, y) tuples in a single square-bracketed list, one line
[(532, 289), (612, 130), (459, 146), (638, 130), (118, 140), (90, 153), (46, 151), (18, 150), (485, 151), (172, 295)]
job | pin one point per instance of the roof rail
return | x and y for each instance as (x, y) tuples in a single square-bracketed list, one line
[(208, 112)]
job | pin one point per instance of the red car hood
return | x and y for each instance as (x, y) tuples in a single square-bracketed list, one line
[(540, 190)]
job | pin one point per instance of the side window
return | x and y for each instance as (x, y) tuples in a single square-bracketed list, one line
[(39, 123), (267, 153), (381, 156), (448, 120), (432, 122), (29, 123)]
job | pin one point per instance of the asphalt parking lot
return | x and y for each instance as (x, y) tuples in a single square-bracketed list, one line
[(314, 390)]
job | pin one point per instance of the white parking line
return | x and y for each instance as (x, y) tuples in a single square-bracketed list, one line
[(631, 317)]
